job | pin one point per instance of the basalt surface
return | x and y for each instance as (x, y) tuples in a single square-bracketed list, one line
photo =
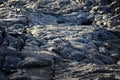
[(60, 40)]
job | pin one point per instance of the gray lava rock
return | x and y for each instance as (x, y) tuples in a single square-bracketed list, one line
[(2, 1), (77, 55), (106, 78), (114, 21), (21, 42), (1, 39), (2, 76), (32, 62), (19, 75), (83, 47), (12, 62), (8, 22), (70, 53), (2, 35)]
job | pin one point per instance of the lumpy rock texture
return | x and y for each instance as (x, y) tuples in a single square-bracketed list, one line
[(59, 40)]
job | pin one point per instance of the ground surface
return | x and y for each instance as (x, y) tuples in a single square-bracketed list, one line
[(59, 40)]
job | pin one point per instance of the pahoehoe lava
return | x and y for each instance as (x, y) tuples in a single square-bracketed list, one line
[(59, 39)]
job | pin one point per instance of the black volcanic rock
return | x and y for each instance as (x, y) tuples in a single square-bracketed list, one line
[(59, 39)]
